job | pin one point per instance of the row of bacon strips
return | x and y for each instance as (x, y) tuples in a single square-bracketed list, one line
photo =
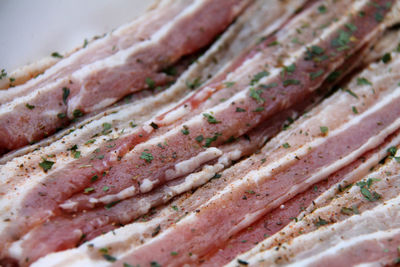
[(105, 185)]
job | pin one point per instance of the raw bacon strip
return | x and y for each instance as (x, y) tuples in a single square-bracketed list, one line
[(67, 231), (137, 31), (105, 220), (132, 236), (209, 223), (214, 222), (337, 205), (253, 22), (278, 218), (225, 121), (370, 237), (105, 81)]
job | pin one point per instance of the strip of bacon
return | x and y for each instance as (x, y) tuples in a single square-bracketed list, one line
[(275, 220), (278, 218), (271, 185), (193, 232), (61, 194), (104, 81), (335, 206), (371, 237)]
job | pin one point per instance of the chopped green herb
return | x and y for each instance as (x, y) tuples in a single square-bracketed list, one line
[(193, 84), (94, 178), (77, 113), (199, 138), (322, 9), (77, 154), (61, 115), (175, 208), (229, 84), (88, 190), (351, 27), (258, 109), (286, 145), (320, 222), (56, 54), (314, 75), (148, 157), (392, 151), (324, 129), (29, 106), (211, 139), (256, 95), (370, 196), (127, 265), (378, 17), (350, 92), (333, 76), (363, 81), (170, 71), (106, 188), (91, 141), (154, 264), (3, 74), (290, 69), (106, 128), (111, 204), (354, 109), (258, 77), (66, 92), (109, 258), (240, 109), (386, 58), (150, 83), (268, 86), (291, 82), (46, 164), (132, 124), (185, 130), (85, 43), (342, 41), (273, 43), (211, 119), (174, 253), (313, 51)]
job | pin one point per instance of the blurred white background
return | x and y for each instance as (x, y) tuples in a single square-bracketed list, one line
[(33, 29)]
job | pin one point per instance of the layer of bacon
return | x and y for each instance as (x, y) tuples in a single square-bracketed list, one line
[(310, 151), (134, 57)]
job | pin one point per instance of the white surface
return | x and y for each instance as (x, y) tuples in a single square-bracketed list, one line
[(33, 29)]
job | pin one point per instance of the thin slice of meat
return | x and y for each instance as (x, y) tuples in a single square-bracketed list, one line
[(371, 237), (211, 130), (89, 167), (21, 167), (291, 210), (191, 231), (101, 83)]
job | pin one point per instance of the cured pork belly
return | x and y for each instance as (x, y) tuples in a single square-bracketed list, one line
[(310, 150), (358, 196), (241, 33), (130, 59)]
